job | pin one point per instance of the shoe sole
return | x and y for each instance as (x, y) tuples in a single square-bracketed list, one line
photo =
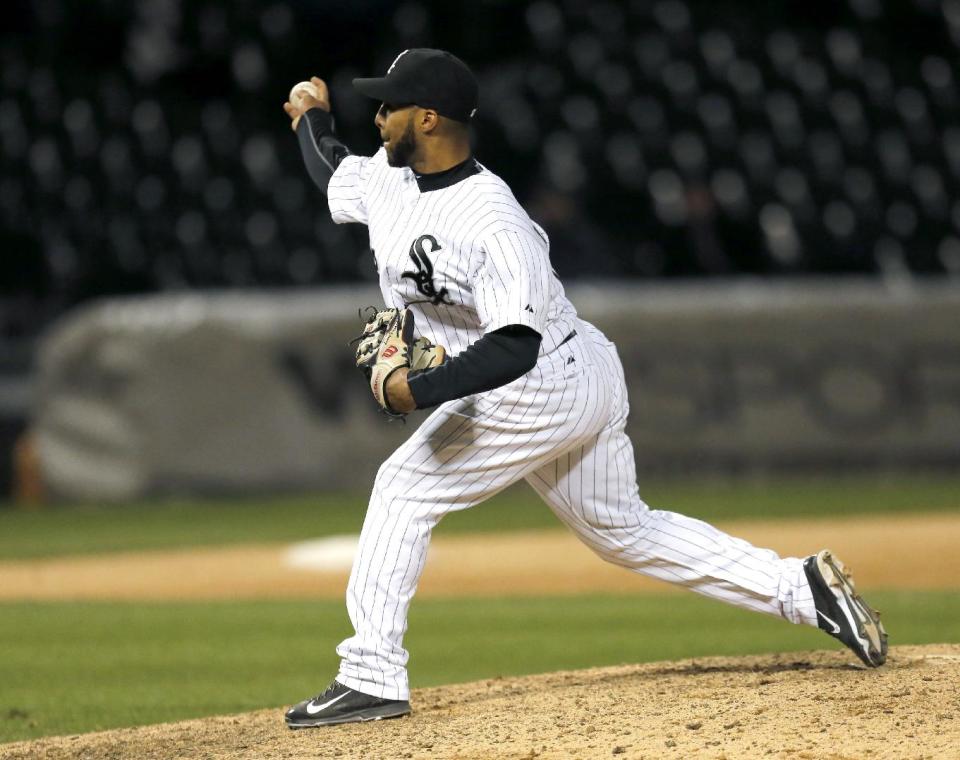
[(376, 713), (866, 619)]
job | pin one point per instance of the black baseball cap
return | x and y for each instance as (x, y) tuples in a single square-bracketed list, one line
[(427, 78)]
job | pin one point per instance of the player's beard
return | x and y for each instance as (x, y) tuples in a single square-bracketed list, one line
[(401, 150)]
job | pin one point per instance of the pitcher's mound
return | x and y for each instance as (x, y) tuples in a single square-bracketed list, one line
[(801, 705)]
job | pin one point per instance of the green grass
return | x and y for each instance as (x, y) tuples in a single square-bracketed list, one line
[(73, 667), (90, 528)]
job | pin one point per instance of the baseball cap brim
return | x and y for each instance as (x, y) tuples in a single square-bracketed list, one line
[(380, 89)]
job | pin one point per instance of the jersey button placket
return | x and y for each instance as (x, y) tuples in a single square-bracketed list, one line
[(410, 192)]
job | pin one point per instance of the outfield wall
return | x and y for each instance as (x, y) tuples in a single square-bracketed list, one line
[(243, 393)]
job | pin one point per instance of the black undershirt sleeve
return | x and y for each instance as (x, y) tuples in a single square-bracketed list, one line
[(496, 359), (321, 149)]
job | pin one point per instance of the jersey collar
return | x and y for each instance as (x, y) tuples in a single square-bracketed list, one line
[(448, 177)]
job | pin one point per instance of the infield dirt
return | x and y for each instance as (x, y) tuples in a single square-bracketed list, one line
[(519, 563), (803, 705)]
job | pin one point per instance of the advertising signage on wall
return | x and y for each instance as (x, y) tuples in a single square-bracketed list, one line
[(234, 393)]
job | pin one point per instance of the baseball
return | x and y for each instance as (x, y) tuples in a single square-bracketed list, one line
[(308, 87)]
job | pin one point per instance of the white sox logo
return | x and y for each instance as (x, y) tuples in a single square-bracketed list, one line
[(397, 59), (423, 277)]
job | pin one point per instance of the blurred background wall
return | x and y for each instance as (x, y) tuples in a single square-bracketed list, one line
[(144, 150)]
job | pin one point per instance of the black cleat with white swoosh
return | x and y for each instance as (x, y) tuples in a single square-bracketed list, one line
[(842, 612), (341, 704)]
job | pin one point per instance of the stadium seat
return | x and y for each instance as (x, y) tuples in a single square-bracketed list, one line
[(814, 143)]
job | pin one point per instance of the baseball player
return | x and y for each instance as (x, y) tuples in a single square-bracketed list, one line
[(528, 390)]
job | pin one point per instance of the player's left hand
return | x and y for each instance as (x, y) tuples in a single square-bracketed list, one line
[(398, 392), (422, 354), (394, 354)]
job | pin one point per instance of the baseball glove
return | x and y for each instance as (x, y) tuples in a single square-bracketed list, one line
[(385, 345), (368, 342)]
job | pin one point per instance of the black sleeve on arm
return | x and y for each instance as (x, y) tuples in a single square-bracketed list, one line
[(496, 359), (322, 150)]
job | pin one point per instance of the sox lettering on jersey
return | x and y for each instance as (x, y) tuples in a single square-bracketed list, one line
[(423, 277), (492, 264)]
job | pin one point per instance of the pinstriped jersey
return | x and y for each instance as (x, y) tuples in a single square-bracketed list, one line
[(465, 258)]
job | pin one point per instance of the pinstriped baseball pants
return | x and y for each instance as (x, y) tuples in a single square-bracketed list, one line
[(561, 427)]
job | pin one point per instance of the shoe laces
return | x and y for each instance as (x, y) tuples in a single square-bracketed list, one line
[(326, 691)]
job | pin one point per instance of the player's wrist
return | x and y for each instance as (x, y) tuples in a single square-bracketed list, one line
[(397, 392)]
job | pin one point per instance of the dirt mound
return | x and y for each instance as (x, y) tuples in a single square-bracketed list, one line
[(803, 705)]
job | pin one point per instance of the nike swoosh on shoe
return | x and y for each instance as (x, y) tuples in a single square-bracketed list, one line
[(836, 628), (314, 709)]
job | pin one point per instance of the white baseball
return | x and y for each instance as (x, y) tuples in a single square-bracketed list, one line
[(308, 87)]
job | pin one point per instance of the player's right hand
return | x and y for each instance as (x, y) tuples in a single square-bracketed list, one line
[(308, 101)]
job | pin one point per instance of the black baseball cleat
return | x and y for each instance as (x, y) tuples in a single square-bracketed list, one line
[(842, 612), (341, 704)]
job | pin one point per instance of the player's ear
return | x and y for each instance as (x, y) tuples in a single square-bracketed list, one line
[(428, 120)]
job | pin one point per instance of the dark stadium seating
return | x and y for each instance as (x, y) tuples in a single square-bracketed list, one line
[(143, 145)]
